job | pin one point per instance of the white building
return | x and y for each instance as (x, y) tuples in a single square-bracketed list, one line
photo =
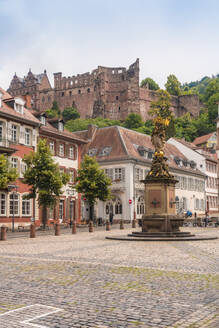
[(126, 157), (206, 163)]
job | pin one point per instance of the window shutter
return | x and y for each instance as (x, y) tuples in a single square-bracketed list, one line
[(75, 152), (123, 174), (57, 148), (66, 149), (9, 131), (111, 174), (21, 136)]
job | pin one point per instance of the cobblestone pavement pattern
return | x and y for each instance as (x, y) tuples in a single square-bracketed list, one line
[(93, 282)]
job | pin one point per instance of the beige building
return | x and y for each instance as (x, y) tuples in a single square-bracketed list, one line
[(126, 157)]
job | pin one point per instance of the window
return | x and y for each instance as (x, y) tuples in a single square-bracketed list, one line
[(118, 207), (79, 91), (52, 147), (109, 173), (61, 150), (14, 129), (117, 98), (13, 204), (88, 90), (139, 174), (14, 162), (19, 108), (27, 136), (119, 174), (140, 205), (1, 131), (25, 207), (197, 204), (70, 93), (71, 152), (184, 204), (72, 176), (62, 94), (2, 204)]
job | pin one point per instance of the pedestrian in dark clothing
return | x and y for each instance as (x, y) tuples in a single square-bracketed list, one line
[(206, 221), (111, 218)]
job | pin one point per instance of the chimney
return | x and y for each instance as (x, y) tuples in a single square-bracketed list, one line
[(27, 98), (91, 130)]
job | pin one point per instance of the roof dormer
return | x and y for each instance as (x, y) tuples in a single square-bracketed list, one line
[(43, 119), (19, 105)]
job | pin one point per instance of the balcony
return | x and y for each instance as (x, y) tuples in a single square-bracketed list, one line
[(5, 146), (118, 185)]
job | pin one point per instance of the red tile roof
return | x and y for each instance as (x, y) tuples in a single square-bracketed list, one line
[(203, 139), (124, 145), (6, 109)]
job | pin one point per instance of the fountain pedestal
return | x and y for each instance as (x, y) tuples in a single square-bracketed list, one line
[(160, 205)]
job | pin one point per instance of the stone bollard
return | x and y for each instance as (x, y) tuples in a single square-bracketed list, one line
[(121, 224), (134, 223), (74, 228), (91, 226), (3, 233), (32, 231), (57, 229), (107, 226)]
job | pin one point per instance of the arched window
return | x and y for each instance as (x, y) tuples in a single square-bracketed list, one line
[(109, 208), (118, 207), (140, 205)]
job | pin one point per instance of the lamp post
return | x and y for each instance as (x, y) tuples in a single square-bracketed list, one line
[(70, 192), (10, 188)]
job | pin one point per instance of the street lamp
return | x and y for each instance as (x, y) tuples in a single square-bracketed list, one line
[(10, 188), (71, 192)]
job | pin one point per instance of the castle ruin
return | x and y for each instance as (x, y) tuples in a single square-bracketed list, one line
[(106, 92)]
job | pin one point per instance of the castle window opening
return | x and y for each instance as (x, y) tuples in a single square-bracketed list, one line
[(63, 94), (70, 93), (119, 109), (76, 81), (49, 98), (88, 90), (117, 98), (79, 91), (113, 72)]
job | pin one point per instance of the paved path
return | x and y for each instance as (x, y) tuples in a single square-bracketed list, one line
[(88, 281)]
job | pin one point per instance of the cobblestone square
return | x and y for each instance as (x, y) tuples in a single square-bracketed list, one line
[(84, 280)]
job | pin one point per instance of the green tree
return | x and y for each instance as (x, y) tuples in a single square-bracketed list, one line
[(133, 121), (185, 128), (92, 182), (173, 86), (70, 113), (54, 111), (152, 85), (82, 124), (44, 177), (7, 173)]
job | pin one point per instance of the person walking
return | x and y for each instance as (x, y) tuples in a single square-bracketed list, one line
[(111, 217)]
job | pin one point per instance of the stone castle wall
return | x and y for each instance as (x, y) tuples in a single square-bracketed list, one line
[(105, 92)]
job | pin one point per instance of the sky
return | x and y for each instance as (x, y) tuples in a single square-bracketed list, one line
[(178, 37)]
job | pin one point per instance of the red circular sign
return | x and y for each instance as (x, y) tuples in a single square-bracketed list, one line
[(84, 199), (130, 201)]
